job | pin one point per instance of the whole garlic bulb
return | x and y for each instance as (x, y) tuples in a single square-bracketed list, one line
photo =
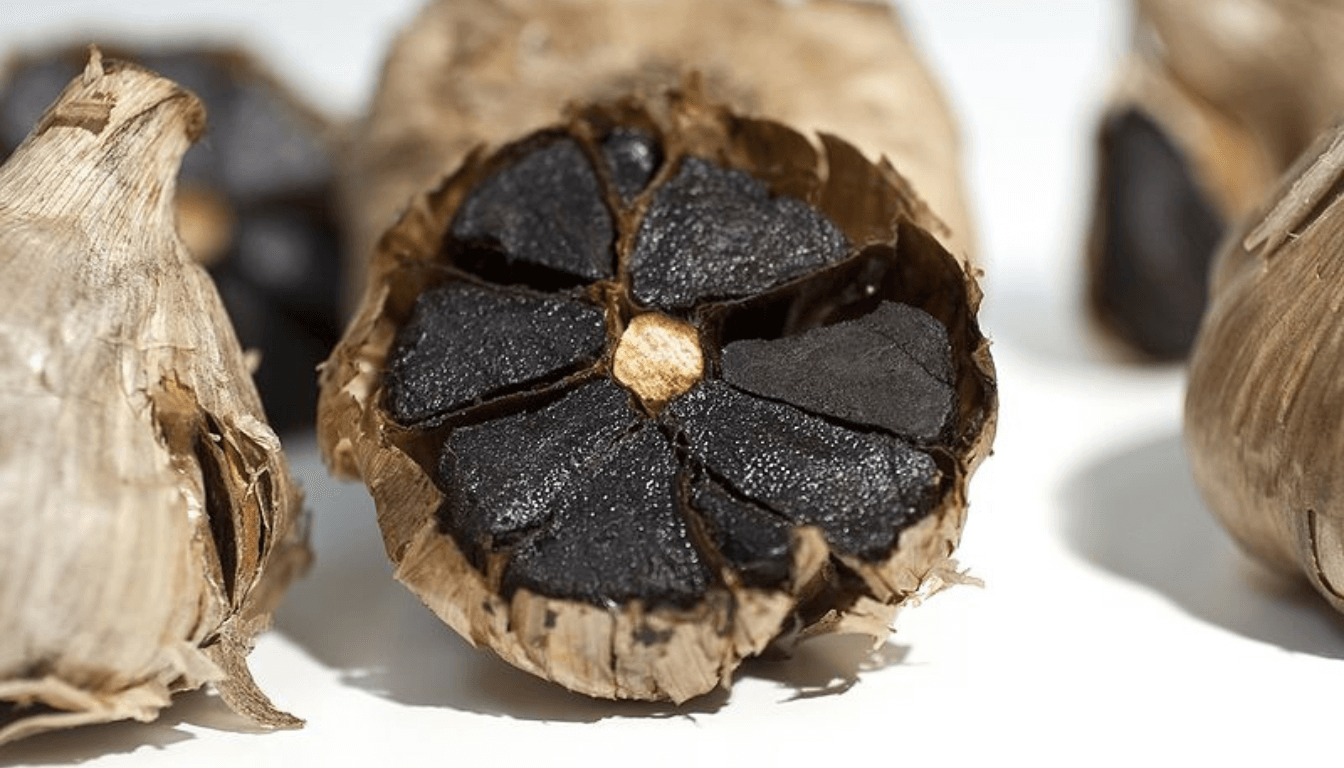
[(1262, 412), (150, 518)]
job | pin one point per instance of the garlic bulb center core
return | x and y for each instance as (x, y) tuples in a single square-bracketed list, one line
[(658, 358)]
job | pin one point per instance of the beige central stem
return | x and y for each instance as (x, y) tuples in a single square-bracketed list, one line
[(658, 358)]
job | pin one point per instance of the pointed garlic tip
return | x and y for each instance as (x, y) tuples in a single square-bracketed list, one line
[(115, 128), (150, 519), (94, 69)]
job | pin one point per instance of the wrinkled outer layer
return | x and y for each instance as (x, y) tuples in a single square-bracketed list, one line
[(149, 516), (603, 650), (467, 72), (1262, 414)]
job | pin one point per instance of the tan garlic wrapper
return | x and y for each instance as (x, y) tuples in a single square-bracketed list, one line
[(1215, 100), (1262, 413), (150, 519), (472, 72)]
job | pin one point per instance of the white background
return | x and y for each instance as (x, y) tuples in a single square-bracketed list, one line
[(1117, 623)]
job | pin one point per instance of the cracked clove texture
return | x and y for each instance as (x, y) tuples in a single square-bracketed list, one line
[(1262, 427), (150, 520), (642, 392), (1217, 98)]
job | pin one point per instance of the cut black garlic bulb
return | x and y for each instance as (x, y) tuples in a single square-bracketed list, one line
[(640, 393), (255, 205), (150, 520), (1262, 425), (1217, 98)]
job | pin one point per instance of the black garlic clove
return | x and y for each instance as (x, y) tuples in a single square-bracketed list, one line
[(543, 210), (515, 340), (860, 488), (716, 233), (836, 370), (632, 157), (1158, 239), (754, 540), (618, 534), (502, 479)]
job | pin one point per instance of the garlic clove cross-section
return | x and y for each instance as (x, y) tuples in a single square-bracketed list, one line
[(150, 519)]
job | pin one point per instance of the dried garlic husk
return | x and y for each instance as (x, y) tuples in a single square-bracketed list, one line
[(559, 386), (256, 204), (471, 72), (151, 521), (1262, 424), (1216, 100)]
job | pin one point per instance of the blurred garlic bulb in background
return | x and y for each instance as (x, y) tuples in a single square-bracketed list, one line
[(1216, 99)]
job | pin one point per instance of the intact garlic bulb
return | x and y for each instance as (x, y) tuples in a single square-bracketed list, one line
[(150, 518), (1262, 413), (644, 226), (645, 391)]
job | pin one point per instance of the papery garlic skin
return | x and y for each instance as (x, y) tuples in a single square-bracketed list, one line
[(150, 519), (1262, 412)]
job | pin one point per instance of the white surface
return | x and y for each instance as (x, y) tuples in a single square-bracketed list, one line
[(1117, 623)]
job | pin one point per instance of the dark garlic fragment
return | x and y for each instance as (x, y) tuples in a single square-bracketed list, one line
[(640, 393), (1262, 412), (702, 237), (515, 338), (1217, 98), (255, 206)]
